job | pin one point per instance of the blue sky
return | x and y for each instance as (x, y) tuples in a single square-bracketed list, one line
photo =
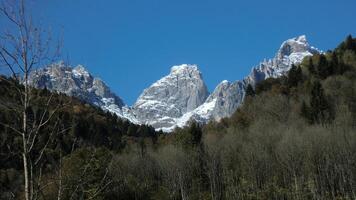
[(132, 43)]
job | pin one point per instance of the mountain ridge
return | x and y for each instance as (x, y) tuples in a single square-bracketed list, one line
[(227, 97), (177, 98)]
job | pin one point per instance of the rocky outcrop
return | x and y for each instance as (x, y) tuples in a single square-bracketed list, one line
[(292, 51), (177, 98), (171, 97), (78, 82), (227, 97)]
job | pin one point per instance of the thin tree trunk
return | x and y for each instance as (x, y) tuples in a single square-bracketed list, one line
[(59, 196), (24, 139), (181, 184), (25, 161), (296, 185), (25, 171)]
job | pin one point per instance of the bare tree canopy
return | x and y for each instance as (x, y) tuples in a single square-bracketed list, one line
[(25, 46)]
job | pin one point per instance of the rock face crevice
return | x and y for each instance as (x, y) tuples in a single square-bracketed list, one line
[(177, 98)]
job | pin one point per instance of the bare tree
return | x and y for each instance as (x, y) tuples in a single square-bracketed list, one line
[(23, 47), (177, 169), (214, 171)]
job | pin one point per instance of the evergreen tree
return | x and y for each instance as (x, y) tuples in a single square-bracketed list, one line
[(320, 111), (334, 63), (323, 67), (305, 112), (294, 76), (196, 133), (132, 130), (311, 67), (349, 43), (142, 146)]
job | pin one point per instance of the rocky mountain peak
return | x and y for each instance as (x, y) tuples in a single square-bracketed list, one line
[(295, 45), (292, 51), (80, 70), (224, 82), (172, 96), (177, 98), (302, 38), (228, 96), (186, 69), (77, 82)]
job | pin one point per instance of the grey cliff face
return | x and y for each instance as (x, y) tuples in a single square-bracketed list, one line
[(292, 51), (73, 82), (176, 99), (181, 91), (229, 97)]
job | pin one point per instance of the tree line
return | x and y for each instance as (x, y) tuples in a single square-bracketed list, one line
[(293, 137)]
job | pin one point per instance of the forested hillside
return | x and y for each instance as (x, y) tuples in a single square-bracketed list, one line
[(73, 125), (293, 138)]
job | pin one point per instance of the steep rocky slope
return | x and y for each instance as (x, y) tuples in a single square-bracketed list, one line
[(80, 83), (171, 97), (227, 97), (177, 98)]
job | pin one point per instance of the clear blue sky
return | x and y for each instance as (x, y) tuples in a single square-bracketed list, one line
[(132, 43)]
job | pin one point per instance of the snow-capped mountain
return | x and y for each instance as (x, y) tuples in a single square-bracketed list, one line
[(227, 97), (177, 98), (80, 83), (292, 51), (168, 99), (221, 103)]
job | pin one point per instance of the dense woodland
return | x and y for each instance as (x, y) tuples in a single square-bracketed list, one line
[(293, 138), (74, 125)]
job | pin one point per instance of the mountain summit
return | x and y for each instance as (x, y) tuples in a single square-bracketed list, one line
[(177, 98), (78, 82), (169, 98), (75, 81), (292, 51), (227, 97)]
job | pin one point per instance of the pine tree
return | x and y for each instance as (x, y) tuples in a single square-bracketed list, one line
[(320, 111), (305, 112), (294, 76), (323, 68), (334, 63), (196, 133), (142, 146), (132, 130), (349, 43), (311, 67)]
